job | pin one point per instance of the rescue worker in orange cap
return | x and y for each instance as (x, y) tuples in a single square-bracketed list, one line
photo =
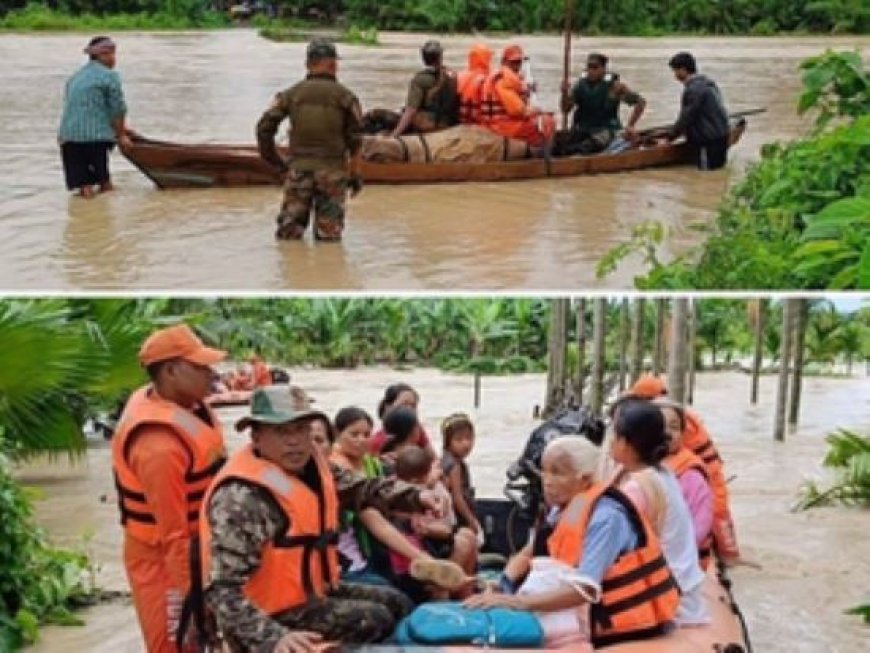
[(697, 439), (260, 372), (506, 103), (470, 81), (167, 448)]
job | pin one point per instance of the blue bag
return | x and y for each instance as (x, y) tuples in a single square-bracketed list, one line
[(452, 623)]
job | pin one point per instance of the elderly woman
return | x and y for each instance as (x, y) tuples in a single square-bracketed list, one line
[(93, 120), (610, 558)]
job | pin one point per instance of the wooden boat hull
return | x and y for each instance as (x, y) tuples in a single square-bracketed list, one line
[(229, 398), (175, 165)]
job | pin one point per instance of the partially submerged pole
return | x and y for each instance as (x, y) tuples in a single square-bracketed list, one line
[(800, 332), (637, 339), (784, 359), (624, 334), (580, 323), (759, 314), (692, 326), (557, 349), (599, 316), (678, 351), (659, 338)]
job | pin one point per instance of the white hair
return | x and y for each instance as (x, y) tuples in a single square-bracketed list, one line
[(582, 455)]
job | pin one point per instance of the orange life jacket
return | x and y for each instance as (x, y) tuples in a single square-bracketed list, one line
[(697, 438), (679, 463), (492, 105), (470, 88), (204, 442), (639, 595), (300, 563)]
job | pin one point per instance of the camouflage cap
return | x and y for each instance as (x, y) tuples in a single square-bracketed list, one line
[(274, 405), (321, 49)]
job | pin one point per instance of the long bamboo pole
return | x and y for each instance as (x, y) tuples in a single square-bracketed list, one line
[(566, 55)]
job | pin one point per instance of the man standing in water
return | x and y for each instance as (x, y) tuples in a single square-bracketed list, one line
[(93, 120), (703, 117), (167, 448), (595, 98), (433, 101), (325, 140)]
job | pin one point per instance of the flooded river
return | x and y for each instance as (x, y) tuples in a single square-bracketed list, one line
[(211, 87), (814, 564)]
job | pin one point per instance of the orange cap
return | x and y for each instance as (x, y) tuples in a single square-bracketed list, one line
[(648, 387), (512, 53), (178, 341)]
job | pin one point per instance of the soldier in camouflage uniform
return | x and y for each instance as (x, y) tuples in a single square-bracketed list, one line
[(244, 517), (325, 140), (433, 99)]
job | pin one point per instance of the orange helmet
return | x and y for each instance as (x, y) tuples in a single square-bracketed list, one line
[(512, 53)]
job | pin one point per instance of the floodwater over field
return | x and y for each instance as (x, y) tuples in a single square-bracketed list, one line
[(814, 563), (211, 87)]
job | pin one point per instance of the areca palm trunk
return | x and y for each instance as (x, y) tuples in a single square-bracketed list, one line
[(800, 331), (637, 339), (599, 318), (678, 359), (658, 338), (760, 319), (785, 350), (692, 323), (624, 334), (580, 381), (557, 349)]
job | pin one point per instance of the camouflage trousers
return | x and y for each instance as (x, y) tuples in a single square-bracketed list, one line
[(351, 613), (323, 191)]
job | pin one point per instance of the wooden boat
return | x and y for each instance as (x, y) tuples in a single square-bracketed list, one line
[(176, 165), (229, 398)]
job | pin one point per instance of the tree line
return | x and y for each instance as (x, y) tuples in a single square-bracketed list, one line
[(636, 17)]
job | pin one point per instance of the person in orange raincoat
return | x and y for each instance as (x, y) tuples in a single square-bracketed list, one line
[(469, 83), (260, 372), (167, 448), (506, 103), (697, 439)]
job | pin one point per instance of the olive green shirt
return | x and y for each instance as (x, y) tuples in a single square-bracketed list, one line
[(433, 91), (325, 125)]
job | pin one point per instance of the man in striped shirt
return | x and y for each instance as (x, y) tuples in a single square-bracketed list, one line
[(93, 120)]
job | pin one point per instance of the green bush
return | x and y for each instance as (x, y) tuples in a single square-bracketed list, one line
[(800, 218), (38, 17), (39, 584)]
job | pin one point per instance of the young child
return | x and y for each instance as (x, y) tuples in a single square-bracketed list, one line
[(640, 444), (457, 432), (438, 535)]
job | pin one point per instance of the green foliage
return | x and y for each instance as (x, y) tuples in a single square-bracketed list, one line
[(38, 583), (849, 456), (800, 218), (165, 15), (862, 611)]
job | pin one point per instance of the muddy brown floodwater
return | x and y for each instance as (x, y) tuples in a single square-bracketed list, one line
[(815, 564), (211, 87)]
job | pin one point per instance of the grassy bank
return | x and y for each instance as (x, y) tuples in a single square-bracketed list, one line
[(37, 18)]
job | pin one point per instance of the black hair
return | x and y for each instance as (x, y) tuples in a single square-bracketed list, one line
[(349, 415), (684, 60), (432, 53), (413, 462), (391, 394), (330, 429), (453, 425), (597, 57), (642, 425), (96, 41), (399, 425), (677, 408)]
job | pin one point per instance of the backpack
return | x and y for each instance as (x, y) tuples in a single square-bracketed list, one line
[(453, 623)]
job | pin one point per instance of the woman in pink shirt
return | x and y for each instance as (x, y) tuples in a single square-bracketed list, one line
[(398, 395)]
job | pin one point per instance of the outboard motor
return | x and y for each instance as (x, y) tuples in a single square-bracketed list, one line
[(524, 476)]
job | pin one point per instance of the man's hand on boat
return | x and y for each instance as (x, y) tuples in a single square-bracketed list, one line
[(125, 140), (299, 642)]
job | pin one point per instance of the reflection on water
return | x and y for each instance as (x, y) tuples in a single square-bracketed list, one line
[(815, 563), (211, 87)]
